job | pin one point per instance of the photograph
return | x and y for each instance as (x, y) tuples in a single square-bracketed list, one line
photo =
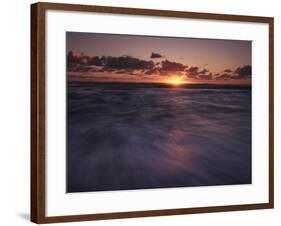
[(146, 112), (132, 104)]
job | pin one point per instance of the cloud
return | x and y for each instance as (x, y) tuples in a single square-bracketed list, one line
[(122, 71), (109, 63), (193, 69), (204, 71), (76, 58), (244, 72), (153, 71), (227, 70), (155, 55), (193, 72), (127, 62), (96, 61), (208, 76), (128, 65), (227, 74), (104, 69), (172, 66), (224, 76)]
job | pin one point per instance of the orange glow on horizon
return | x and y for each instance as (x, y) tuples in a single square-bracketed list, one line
[(176, 80)]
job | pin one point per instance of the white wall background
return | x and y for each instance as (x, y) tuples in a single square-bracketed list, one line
[(15, 114)]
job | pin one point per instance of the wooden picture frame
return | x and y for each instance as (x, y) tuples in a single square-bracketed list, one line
[(38, 109)]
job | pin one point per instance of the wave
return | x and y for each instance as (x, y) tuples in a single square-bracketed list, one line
[(124, 136)]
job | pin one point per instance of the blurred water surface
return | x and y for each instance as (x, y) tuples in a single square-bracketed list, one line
[(131, 136)]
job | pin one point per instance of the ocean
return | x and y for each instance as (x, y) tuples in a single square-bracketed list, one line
[(144, 136)]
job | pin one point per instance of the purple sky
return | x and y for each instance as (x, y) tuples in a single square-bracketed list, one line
[(213, 55)]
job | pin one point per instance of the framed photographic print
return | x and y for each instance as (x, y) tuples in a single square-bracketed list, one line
[(139, 112)]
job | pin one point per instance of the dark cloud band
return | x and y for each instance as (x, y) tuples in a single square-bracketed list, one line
[(134, 66)]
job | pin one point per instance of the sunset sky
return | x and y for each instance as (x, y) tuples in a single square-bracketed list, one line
[(128, 58)]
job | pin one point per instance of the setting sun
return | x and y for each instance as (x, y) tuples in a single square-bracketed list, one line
[(176, 80)]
